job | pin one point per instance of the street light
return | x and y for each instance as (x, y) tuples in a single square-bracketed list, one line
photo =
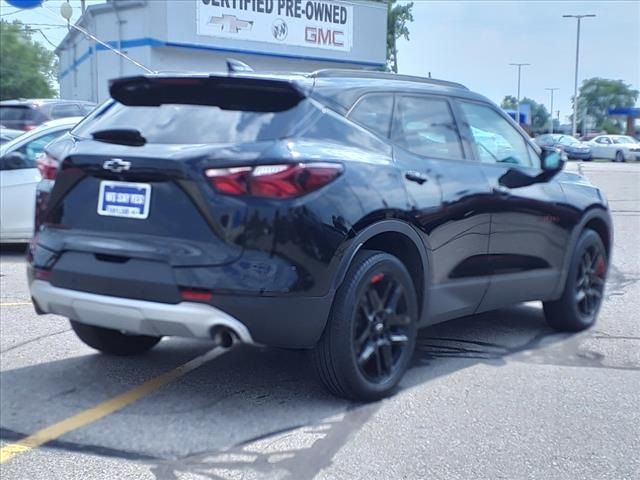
[(575, 81), (551, 89), (519, 65)]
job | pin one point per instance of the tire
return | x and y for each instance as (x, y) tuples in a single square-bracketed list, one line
[(619, 157), (113, 342), (370, 336), (578, 307)]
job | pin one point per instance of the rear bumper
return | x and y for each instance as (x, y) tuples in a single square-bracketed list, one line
[(283, 321), (185, 319), (579, 155)]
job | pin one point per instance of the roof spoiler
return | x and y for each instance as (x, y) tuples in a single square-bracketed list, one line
[(237, 92)]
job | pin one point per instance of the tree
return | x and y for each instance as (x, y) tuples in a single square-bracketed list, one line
[(398, 18), (598, 95), (509, 103), (27, 69), (539, 114)]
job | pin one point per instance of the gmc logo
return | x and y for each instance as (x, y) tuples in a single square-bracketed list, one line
[(322, 36)]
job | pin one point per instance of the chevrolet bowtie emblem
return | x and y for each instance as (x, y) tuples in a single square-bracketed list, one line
[(231, 23), (116, 165)]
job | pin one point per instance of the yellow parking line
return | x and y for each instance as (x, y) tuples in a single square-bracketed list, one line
[(14, 304), (105, 408)]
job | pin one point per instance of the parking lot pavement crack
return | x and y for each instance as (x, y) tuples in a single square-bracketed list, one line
[(295, 453), (35, 339)]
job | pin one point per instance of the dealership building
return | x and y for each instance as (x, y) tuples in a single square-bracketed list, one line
[(199, 35)]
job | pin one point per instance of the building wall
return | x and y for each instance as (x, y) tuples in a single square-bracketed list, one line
[(162, 35)]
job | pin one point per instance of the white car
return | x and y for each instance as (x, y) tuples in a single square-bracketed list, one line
[(19, 177), (618, 148)]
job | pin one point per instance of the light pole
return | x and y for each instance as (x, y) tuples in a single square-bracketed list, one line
[(575, 80), (551, 89), (519, 65)]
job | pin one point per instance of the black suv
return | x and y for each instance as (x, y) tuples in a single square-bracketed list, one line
[(28, 114), (336, 211)]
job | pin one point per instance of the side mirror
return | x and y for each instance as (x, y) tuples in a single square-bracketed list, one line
[(552, 160), (13, 161)]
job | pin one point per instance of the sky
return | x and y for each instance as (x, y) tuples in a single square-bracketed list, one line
[(473, 42)]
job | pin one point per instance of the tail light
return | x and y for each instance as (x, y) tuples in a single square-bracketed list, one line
[(48, 166), (273, 181)]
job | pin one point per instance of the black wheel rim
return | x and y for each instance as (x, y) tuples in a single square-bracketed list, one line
[(590, 281), (382, 328)]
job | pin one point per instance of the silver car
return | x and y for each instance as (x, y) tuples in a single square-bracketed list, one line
[(618, 148)]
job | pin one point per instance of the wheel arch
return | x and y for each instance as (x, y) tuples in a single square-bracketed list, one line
[(598, 219), (400, 240)]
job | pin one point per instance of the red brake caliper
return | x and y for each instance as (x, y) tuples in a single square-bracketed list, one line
[(600, 266)]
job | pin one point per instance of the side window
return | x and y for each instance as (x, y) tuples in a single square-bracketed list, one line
[(496, 140), (35, 147), (603, 141), (425, 125), (373, 111), (66, 110)]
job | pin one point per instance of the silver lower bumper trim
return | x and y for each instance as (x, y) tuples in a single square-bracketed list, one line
[(186, 319)]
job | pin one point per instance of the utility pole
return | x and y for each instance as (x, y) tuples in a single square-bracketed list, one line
[(579, 18), (519, 65), (551, 89)]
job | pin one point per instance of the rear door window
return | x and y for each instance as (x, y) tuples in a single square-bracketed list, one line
[(66, 110), (373, 111), (35, 147), (425, 126), (13, 113)]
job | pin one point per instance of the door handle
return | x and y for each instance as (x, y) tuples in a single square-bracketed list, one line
[(417, 177), (502, 191)]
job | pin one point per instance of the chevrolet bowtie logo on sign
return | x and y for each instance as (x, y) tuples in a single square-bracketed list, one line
[(314, 24), (231, 23)]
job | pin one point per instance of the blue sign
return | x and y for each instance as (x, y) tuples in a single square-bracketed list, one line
[(24, 3)]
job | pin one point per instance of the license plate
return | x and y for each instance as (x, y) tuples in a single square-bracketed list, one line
[(124, 199)]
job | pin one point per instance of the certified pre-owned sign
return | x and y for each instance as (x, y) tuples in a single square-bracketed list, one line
[(303, 23)]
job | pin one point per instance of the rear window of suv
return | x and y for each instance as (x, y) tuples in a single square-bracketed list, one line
[(194, 124), (15, 113)]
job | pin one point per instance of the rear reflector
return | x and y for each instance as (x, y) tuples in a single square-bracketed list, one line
[(40, 274), (274, 181), (191, 295)]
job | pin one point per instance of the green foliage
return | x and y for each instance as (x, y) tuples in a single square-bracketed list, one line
[(598, 95), (509, 103), (398, 19), (611, 127), (27, 69), (539, 114)]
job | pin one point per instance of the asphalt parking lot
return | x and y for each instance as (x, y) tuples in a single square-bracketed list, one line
[(498, 395)]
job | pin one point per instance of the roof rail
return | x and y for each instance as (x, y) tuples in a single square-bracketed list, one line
[(344, 73)]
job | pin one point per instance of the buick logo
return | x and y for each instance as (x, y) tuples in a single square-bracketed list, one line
[(116, 165), (231, 23), (279, 29)]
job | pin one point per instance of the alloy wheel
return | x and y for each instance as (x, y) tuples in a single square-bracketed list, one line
[(382, 328), (590, 281)]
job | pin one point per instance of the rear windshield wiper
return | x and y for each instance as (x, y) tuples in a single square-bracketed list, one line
[(124, 136)]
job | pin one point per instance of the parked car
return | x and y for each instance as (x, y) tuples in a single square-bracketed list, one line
[(336, 211), (27, 114), (574, 149), (618, 148), (8, 134), (19, 177)]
